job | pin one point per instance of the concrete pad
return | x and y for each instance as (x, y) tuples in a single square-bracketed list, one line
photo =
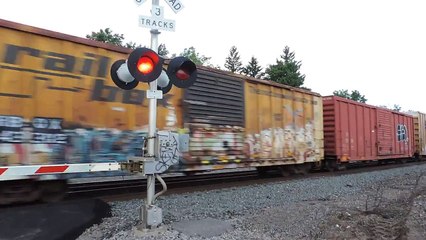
[(140, 231), (208, 227), (63, 220)]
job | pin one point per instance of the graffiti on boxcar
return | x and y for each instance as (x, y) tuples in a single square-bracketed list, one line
[(13, 129), (44, 140), (211, 144), (288, 142), (401, 133), (81, 145)]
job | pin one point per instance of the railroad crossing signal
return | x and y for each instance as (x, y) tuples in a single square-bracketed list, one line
[(145, 65), (180, 72)]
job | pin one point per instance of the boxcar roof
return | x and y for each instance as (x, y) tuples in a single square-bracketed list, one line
[(61, 36), (342, 99), (255, 80)]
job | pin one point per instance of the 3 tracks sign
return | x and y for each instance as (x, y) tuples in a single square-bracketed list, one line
[(157, 20)]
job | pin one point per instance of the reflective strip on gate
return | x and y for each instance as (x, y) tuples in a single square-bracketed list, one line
[(17, 172), (51, 169)]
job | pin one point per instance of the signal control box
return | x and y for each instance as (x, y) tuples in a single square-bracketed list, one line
[(169, 147)]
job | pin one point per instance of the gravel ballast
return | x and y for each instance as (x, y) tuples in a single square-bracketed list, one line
[(384, 204)]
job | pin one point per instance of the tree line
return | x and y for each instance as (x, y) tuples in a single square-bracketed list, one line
[(286, 69)]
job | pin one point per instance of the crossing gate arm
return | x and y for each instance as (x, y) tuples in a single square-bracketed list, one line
[(23, 172)]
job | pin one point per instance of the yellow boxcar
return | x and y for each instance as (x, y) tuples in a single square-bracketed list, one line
[(284, 125), (237, 121), (59, 104)]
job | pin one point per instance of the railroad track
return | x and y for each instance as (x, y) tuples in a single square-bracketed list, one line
[(129, 189), (117, 187)]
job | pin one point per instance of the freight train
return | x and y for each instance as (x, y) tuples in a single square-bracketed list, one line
[(58, 105)]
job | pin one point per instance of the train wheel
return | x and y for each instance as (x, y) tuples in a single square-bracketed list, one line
[(262, 171), (330, 165), (53, 191), (342, 166), (286, 171), (191, 173), (303, 169), (401, 161), (417, 157)]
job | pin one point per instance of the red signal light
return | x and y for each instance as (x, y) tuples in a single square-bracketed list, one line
[(182, 75), (145, 65), (182, 72)]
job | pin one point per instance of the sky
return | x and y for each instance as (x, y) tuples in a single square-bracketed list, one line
[(377, 47)]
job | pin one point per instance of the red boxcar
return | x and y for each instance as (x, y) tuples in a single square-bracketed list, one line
[(356, 131)]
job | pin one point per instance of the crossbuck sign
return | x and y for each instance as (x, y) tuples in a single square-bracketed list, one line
[(175, 5)]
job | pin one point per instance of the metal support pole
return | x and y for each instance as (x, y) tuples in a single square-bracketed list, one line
[(151, 132)]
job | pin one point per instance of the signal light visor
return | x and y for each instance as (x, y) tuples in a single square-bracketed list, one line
[(121, 76)]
